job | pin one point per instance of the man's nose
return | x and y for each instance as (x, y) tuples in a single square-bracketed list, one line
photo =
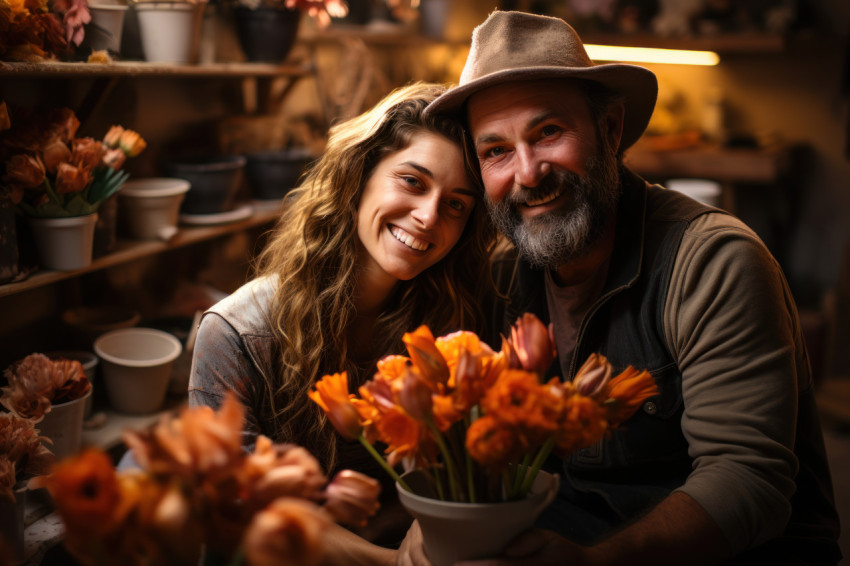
[(530, 169)]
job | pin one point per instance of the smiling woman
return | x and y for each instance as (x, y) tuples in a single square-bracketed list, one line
[(385, 233)]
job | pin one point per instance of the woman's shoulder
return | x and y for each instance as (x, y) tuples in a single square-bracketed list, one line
[(247, 309)]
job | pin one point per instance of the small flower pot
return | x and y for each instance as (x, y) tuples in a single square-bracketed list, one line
[(214, 183), (272, 174), (266, 34), (150, 207), (452, 532), (64, 243), (170, 31), (106, 27), (63, 424)]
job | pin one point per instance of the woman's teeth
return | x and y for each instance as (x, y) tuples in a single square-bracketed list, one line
[(545, 198), (408, 240)]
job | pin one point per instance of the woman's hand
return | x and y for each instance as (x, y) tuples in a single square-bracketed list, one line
[(411, 552)]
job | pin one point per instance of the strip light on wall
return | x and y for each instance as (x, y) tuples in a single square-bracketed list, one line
[(651, 55)]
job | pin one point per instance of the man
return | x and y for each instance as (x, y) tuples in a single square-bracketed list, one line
[(727, 462)]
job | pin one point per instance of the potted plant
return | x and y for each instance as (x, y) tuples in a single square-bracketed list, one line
[(58, 180), (472, 428), (267, 28)]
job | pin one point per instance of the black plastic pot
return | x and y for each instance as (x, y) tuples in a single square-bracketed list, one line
[(266, 34), (272, 174), (215, 183)]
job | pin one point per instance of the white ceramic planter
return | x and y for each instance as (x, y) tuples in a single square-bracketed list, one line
[(64, 426), (150, 208), (64, 243), (137, 367), (170, 31)]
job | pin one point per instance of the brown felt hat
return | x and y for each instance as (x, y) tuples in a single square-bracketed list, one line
[(514, 46)]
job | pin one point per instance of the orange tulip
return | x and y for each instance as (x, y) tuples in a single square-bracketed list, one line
[(593, 376), (352, 497), (533, 344), (331, 394), (25, 170), (71, 179), (288, 532), (54, 153), (426, 356), (583, 425), (627, 392), (415, 395)]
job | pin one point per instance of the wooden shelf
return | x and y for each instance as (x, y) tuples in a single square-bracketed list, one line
[(721, 43), (144, 69), (127, 251), (717, 163)]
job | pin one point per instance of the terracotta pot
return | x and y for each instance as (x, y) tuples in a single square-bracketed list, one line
[(468, 531)]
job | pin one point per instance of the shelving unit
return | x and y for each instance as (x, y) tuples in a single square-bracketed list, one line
[(49, 70), (127, 250)]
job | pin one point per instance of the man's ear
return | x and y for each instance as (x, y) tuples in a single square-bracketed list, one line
[(614, 125)]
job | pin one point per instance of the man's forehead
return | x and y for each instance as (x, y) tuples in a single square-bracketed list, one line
[(522, 100)]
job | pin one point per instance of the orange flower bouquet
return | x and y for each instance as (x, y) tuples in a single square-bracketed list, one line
[(37, 383), (200, 494), (49, 172), (480, 423)]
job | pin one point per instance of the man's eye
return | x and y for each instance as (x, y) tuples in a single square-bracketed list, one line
[(494, 152), (550, 130)]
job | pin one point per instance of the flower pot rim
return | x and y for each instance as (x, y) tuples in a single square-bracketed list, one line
[(541, 493), (72, 401), (175, 6), (108, 7), (173, 354), (64, 220), (150, 187)]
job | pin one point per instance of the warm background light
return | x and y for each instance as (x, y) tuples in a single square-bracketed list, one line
[(651, 55)]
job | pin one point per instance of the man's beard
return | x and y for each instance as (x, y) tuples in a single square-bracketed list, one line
[(553, 238)]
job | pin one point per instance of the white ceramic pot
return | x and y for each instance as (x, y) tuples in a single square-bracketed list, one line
[(150, 207), (137, 366), (63, 424), (170, 31), (452, 532), (64, 243)]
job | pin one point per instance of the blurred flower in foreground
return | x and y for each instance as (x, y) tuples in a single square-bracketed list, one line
[(199, 490), (480, 423)]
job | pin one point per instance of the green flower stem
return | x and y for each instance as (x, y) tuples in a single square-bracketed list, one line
[(383, 463), (519, 474), (50, 192), (451, 471), (542, 454), (470, 478)]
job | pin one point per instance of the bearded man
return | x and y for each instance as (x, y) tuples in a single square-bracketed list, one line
[(726, 464)]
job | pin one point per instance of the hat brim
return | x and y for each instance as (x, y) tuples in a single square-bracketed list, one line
[(638, 86)]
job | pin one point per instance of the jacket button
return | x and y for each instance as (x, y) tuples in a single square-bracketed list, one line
[(650, 408)]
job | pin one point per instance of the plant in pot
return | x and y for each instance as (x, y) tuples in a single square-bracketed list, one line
[(472, 428), (267, 28), (59, 181)]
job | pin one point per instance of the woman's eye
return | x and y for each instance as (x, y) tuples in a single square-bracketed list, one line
[(412, 181), (457, 204)]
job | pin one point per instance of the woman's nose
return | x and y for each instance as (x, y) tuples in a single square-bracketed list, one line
[(426, 210), (530, 169)]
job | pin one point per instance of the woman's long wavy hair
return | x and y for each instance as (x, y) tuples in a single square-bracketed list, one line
[(313, 253)]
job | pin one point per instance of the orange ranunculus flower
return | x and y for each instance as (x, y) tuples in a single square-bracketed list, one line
[(24, 170), (331, 394), (36, 382), (593, 376), (445, 411), (401, 433), (86, 491), (392, 367), (197, 442), (71, 179), (288, 532), (491, 443), (627, 392), (54, 153), (69, 380), (583, 424), (22, 447), (533, 344), (87, 153), (426, 356), (352, 497)]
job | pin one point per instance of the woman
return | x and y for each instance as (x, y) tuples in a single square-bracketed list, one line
[(386, 233)]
